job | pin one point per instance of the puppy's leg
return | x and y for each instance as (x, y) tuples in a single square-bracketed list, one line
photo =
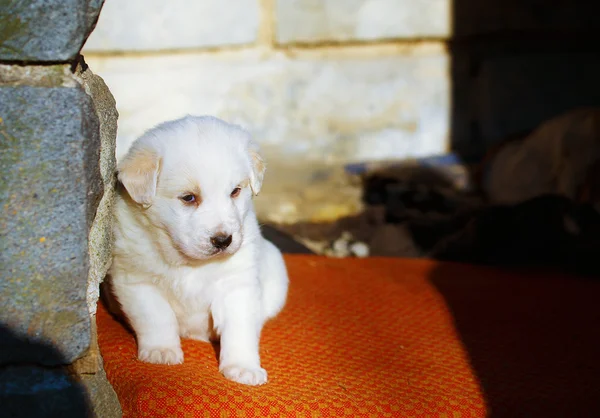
[(274, 280), (237, 317), (153, 321)]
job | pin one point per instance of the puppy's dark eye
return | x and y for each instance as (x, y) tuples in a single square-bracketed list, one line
[(188, 198), (236, 192)]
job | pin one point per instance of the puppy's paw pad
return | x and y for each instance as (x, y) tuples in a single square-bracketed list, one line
[(252, 376), (161, 355)]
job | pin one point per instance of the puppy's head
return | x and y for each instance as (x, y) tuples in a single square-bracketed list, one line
[(195, 178)]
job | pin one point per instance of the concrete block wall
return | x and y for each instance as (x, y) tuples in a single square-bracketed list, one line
[(269, 66), (318, 83)]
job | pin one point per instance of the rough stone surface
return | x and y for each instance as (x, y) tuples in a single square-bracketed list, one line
[(361, 20), (45, 30), (101, 235), (49, 76), (176, 24), (30, 391), (51, 185), (103, 399), (326, 106)]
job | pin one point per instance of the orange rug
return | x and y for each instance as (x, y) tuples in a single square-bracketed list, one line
[(381, 337)]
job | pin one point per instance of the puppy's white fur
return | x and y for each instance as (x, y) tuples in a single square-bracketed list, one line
[(167, 276)]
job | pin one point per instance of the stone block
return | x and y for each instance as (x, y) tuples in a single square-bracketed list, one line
[(321, 106), (45, 30), (311, 21), (51, 186), (101, 233), (89, 370), (174, 24), (102, 397), (30, 390)]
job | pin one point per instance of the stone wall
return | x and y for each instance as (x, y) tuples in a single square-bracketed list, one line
[(57, 144), (319, 83)]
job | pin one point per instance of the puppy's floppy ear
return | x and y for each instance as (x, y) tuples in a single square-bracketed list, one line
[(139, 173), (258, 167)]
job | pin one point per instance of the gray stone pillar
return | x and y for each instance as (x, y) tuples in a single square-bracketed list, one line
[(57, 137)]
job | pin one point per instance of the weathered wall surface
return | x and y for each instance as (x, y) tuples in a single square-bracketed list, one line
[(100, 238), (327, 82), (317, 82), (318, 107), (45, 31), (364, 20), (50, 189), (322, 103), (57, 144)]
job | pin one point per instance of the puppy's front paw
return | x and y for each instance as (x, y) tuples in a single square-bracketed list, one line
[(253, 376), (161, 355)]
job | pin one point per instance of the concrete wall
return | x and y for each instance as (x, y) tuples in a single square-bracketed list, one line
[(293, 72)]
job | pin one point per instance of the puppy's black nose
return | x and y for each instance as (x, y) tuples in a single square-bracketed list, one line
[(221, 241)]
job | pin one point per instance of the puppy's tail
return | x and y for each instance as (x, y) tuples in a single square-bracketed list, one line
[(274, 280)]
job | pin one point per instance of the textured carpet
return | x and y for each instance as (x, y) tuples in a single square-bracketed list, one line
[(390, 337)]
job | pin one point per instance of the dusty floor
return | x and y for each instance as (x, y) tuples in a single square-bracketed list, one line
[(395, 203), (424, 217)]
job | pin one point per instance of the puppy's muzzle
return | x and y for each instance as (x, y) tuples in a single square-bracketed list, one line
[(221, 241)]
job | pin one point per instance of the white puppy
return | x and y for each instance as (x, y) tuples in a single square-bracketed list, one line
[(189, 258)]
